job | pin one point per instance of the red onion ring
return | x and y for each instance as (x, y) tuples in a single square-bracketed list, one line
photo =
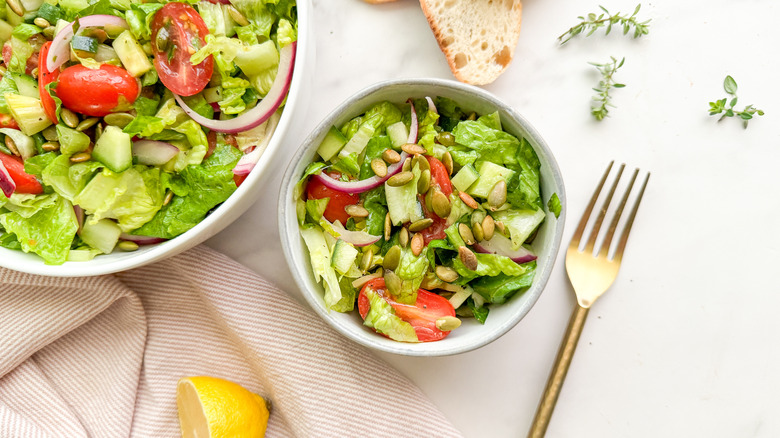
[(413, 126), (7, 183), (141, 240), (264, 109), (153, 152), (364, 185), (502, 246), (431, 106), (59, 52), (247, 161)]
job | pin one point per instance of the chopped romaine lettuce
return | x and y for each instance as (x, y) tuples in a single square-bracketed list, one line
[(382, 318), (48, 232)]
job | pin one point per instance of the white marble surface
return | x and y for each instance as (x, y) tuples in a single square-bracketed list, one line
[(684, 343)]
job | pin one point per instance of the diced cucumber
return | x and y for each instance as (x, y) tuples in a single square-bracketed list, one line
[(27, 86), (402, 203), (489, 175), (71, 141), (114, 149), (213, 94), (360, 139), (465, 177), (332, 143), (102, 235), (83, 44), (24, 144), (520, 223), (131, 54), (398, 134), (343, 256), (28, 113), (50, 13)]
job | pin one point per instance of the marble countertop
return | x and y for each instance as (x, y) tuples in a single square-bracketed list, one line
[(684, 343)]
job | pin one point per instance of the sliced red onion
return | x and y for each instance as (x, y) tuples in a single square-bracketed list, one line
[(141, 240), (502, 246), (413, 127), (431, 106), (264, 109), (357, 238), (154, 153), (59, 52), (362, 185), (7, 184), (247, 161), (79, 217)]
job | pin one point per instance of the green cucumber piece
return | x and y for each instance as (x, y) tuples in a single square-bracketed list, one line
[(71, 141), (81, 43), (489, 175), (28, 113), (102, 235), (398, 134), (332, 143), (114, 149), (27, 86), (465, 177), (50, 13), (343, 256), (131, 54)]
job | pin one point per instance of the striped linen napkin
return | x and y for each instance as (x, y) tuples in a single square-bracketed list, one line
[(100, 356)]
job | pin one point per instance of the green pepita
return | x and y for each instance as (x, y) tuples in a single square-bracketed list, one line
[(424, 183), (403, 237), (69, 118), (379, 167), (476, 230), (497, 196), (391, 156), (446, 274), (445, 138), (50, 146), (80, 157), (440, 204), (356, 210), (127, 246), (447, 323), (50, 133), (468, 258), (420, 225), (86, 124), (400, 179), (41, 22), (488, 227), (392, 282), (421, 162), (448, 162), (417, 244), (367, 260), (16, 7), (392, 258), (388, 226), (118, 119), (413, 149), (465, 233)]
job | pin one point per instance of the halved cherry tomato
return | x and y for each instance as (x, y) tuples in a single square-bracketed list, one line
[(338, 200), (6, 121), (178, 31), (422, 315), (97, 92), (439, 175), (36, 41), (25, 183), (439, 178), (45, 77)]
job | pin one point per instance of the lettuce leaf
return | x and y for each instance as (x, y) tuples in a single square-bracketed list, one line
[(382, 318), (501, 287), (49, 232), (492, 144), (411, 270)]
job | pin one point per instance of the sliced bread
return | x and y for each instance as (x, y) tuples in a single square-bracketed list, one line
[(478, 37)]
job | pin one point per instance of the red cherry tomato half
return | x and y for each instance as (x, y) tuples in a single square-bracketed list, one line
[(338, 200), (178, 31), (439, 175), (45, 77), (97, 92), (422, 315), (25, 183)]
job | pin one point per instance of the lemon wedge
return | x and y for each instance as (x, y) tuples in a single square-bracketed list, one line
[(210, 407)]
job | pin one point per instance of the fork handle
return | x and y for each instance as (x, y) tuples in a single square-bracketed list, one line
[(558, 373)]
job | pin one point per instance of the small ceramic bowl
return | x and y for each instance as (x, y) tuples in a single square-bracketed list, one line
[(220, 218), (471, 334)]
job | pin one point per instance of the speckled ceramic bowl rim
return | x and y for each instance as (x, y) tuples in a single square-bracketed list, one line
[(298, 260)]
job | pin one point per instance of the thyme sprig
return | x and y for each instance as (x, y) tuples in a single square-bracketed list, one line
[(590, 24), (607, 83), (726, 106)]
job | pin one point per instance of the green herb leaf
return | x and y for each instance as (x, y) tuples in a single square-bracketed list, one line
[(593, 23)]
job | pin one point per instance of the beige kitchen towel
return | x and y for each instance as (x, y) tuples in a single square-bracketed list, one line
[(100, 357)]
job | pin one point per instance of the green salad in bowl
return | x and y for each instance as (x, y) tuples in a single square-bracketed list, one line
[(124, 123), (417, 213)]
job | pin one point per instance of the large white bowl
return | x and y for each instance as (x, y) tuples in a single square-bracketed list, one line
[(471, 334), (221, 217)]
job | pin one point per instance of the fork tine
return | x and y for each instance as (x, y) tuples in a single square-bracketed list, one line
[(594, 234), (604, 251), (630, 221), (575, 240)]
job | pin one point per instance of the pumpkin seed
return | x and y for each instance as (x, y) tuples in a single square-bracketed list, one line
[(86, 124), (407, 166), (391, 156), (98, 131), (69, 118), (479, 234), (388, 226), (400, 179), (488, 227), (420, 225), (50, 133), (127, 246), (392, 258), (468, 200), (448, 163), (49, 32), (472, 116), (237, 16), (445, 138), (421, 162), (118, 119), (497, 196), (41, 22), (11, 145), (367, 260), (501, 227), (379, 167), (417, 244), (168, 197), (356, 210), (413, 149), (468, 258), (392, 282), (80, 157), (424, 183), (440, 204), (50, 146), (403, 237), (447, 323), (465, 233), (446, 274), (15, 6)]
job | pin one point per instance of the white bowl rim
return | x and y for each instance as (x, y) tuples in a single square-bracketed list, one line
[(287, 217), (211, 224)]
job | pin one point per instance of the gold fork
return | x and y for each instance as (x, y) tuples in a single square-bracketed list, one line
[(590, 276)]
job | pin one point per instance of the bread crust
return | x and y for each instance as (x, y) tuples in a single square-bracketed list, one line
[(478, 37)]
